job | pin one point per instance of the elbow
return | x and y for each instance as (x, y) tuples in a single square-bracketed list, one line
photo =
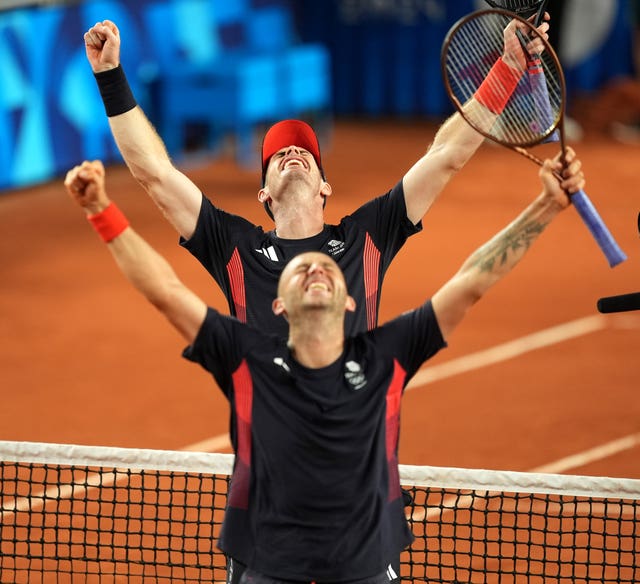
[(150, 177), (472, 288), (151, 171), (163, 298), (458, 152), (452, 157), (155, 180), (458, 157)]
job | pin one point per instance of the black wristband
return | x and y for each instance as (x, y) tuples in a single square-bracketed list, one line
[(115, 91)]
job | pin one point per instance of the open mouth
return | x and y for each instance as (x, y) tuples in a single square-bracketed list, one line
[(293, 163), (320, 286)]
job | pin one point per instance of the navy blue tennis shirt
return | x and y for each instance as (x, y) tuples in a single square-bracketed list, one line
[(246, 261), (315, 493)]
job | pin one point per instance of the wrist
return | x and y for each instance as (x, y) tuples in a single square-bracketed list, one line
[(115, 91), (498, 86), (96, 208), (103, 67), (108, 223), (511, 62)]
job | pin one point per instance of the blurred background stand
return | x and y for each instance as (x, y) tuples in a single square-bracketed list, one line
[(213, 74)]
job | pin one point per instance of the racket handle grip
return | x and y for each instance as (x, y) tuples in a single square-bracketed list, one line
[(598, 229)]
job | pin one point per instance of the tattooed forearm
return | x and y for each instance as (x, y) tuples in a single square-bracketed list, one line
[(509, 245)]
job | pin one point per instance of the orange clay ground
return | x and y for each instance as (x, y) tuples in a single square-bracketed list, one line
[(84, 359)]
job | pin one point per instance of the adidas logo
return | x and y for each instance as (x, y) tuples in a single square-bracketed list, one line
[(269, 252)]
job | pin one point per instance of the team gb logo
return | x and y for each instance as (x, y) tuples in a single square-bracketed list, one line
[(354, 375)]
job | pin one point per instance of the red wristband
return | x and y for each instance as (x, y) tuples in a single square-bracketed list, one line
[(109, 223), (496, 90)]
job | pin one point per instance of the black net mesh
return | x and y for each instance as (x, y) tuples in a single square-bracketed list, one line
[(102, 522)]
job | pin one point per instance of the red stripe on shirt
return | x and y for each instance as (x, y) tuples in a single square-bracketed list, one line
[(243, 397), (394, 397), (371, 264), (235, 271)]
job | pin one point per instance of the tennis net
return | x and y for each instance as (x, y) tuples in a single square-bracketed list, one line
[(73, 513)]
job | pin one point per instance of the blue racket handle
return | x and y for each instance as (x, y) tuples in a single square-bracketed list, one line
[(598, 229)]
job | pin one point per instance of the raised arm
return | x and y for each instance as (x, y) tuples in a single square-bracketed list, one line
[(141, 147), (147, 270), (496, 258), (453, 146), (455, 142)]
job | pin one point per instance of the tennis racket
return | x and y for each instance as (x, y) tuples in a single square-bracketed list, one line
[(533, 11), (493, 93)]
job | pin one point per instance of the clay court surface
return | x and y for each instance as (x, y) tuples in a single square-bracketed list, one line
[(84, 359)]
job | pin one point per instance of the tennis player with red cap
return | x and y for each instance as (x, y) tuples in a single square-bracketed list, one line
[(246, 261), (286, 133)]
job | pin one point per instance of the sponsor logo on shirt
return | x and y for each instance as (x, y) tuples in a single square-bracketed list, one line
[(336, 247), (269, 252), (354, 375)]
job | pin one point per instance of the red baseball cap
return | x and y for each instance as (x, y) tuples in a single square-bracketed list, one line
[(287, 133)]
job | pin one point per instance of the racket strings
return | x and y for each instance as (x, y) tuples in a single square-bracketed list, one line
[(533, 109), (472, 47), (508, 121)]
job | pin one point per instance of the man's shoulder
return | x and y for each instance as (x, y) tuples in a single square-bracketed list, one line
[(211, 212), (230, 330), (380, 204), (402, 325), (382, 197)]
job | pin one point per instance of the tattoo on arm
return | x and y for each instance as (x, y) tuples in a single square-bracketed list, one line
[(509, 244)]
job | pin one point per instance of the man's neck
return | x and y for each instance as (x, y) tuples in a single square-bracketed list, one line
[(317, 343), (293, 225), (299, 217)]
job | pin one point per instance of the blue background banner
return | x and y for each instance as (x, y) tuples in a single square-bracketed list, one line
[(382, 58)]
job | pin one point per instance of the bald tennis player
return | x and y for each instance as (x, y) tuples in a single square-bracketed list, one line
[(315, 495)]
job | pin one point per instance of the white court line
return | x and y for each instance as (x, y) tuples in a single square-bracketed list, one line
[(544, 338), (213, 444), (515, 348), (591, 455)]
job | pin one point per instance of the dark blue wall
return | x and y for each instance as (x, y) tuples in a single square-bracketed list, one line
[(385, 61)]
